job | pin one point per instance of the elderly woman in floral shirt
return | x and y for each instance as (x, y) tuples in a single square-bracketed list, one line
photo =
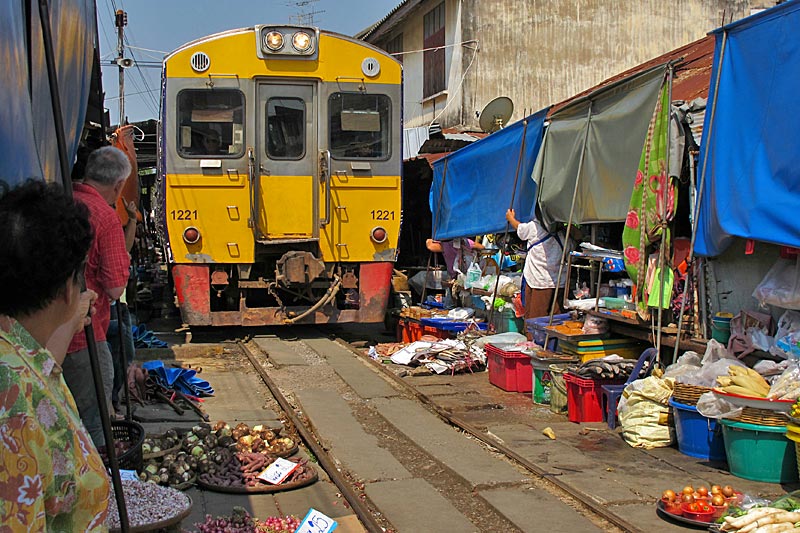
[(51, 476)]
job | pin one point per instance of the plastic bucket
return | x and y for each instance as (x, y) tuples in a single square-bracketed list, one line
[(698, 436), (795, 438), (759, 453), (721, 330), (558, 390)]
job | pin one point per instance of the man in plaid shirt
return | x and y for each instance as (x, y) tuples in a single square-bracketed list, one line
[(106, 274)]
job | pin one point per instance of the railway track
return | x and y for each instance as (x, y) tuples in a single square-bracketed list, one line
[(371, 517)]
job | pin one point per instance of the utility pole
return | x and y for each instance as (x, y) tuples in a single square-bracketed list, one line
[(121, 20)]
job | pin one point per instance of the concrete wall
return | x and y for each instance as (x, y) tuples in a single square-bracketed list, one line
[(539, 52), (733, 276)]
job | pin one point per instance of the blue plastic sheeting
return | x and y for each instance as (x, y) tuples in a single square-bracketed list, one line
[(473, 187), (750, 157)]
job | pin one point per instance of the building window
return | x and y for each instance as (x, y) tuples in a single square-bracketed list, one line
[(433, 60), (395, 46)]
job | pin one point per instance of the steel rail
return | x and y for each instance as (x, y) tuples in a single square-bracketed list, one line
[(538, 471), (311, 441)]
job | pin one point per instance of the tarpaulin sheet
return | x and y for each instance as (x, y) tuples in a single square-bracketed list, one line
[(606, 131), (28, 147), (750, 155), (473, 187)]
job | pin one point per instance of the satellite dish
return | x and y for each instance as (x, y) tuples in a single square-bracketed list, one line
[(495, 114)]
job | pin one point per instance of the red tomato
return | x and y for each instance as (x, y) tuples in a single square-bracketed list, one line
[(694, 507)]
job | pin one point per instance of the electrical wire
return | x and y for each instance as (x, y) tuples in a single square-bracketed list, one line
[(433, 49), (458, 87)]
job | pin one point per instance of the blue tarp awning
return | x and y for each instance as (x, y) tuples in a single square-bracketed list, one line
[(750, 155), (473, 187)]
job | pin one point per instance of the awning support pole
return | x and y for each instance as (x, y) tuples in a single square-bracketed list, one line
[(663, 263), (569, 223), (504, 245), (435, 222), (58, 123), (698, 203)]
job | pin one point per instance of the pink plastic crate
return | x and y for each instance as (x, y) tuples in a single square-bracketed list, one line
[(511, 371)]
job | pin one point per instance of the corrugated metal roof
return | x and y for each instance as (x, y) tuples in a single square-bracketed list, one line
[(692, 75), (366, 33)]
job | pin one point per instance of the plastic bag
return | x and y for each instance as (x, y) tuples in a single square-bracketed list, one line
[(473, 275), (644, 413), (741, 342), (510, 337), (688, 362), (595, 325), (715, 363), (461, 313), (788, 324), (781, 286), (712, 406), (787, 386)]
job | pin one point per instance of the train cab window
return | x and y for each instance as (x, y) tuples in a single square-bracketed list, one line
[(286, 132), (359, 126), (211, 123)]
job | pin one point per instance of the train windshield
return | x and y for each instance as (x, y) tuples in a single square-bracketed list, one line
[(286, 134), (210, 123), (359, 126)]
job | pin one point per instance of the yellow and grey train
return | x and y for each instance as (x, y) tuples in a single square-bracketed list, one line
[(279, 197)]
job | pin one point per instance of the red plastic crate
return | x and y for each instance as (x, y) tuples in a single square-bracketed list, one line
[(408, 331), (511, 371), (585, 398)]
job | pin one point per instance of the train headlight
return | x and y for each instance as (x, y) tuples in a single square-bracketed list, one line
[(301, 42), (191, 235), (378, 235), (273, 40)]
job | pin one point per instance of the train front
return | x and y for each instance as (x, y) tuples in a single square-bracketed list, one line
[(279, 179)]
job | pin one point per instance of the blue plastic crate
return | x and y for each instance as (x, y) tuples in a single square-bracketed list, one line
[(535, 326), (451, 326)]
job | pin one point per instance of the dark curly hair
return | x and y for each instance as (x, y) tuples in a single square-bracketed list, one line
[(44, 239)]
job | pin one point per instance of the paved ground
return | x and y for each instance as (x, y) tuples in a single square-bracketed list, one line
[(423, 474)]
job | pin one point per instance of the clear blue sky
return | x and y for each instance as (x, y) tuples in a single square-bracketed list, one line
[(164, 25)]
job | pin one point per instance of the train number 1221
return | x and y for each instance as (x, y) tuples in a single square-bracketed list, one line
[(382, 214), (183, 214)]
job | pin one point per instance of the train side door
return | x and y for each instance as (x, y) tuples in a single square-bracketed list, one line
[(286, 163)]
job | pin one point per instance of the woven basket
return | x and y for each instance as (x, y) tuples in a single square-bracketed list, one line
[(762, 417), (163, 452), (688, 394), (133, 433)]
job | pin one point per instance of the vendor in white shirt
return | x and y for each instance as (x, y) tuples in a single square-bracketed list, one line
[(542, 263)]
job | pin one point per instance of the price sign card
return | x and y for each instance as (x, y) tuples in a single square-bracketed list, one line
[(278, 471), (128, 475), (316, 522)]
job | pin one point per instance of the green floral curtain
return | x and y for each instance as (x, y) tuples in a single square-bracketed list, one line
[(649, 213)]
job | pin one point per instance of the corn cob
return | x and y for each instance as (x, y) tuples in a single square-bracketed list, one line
[(751, 384), (736, 389)]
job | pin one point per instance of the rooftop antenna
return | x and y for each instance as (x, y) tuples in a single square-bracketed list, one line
[(305, 14), (495, 114)]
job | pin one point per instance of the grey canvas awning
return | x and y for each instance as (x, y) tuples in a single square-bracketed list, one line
[(596, 142)]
